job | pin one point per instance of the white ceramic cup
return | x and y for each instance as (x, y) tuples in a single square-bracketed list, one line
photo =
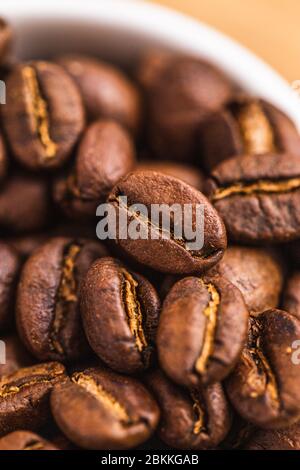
[(121, 29)]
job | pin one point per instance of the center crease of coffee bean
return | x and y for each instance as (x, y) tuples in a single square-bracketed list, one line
[(199, 424), (105, 398), (12, 389), (67, 294), (211, 313), (38, 108), (259, 187), (133, 309), (34, 445)]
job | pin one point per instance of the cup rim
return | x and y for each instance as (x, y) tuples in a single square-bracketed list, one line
[(174, 30)]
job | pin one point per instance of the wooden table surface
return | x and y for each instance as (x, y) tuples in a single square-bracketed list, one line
[(270, 28)]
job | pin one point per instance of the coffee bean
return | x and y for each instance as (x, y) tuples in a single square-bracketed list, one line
[(16, 356), (24, 204), (291, 295), (258, 197), (202, 329), (25, 440), (48, 316), (9, 271), (44, 115), (112, 411), (24, 396), (5, 38), (3, 159), (105, 154), (120, 311), (106, 91), (165, 252), (279, 439), (264, 388), (246, 126), (193, 420), (256, 272), (186, 173), (184, 91)]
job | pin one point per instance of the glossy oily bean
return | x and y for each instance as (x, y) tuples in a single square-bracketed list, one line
[(48, 316), (183, 93), (202, 329), (5, 38), (112, 411), (278, 439), (9, 272), (166, 252), (24, 204), (291, 295), (16, 355), (105, 154), (258, 197), (106, 91), (24, 396), (256, 272), (264, 388), (192, 420), (246, 126), (120, 310), (25, 440), (44, 114), (3, 159)]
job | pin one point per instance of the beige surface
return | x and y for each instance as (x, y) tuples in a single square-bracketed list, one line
[(271, 28)]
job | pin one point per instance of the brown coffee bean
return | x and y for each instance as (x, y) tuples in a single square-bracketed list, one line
[(183, 93), (279, 439), (201, 331), (16, 356), (3, 159), (186, 173), (246, 126), (165, 252), (48, 316), (120, 311), (5, 38), (193, 420), (264, 388), (24, 204), (291, 295), (105, 154), (106, 91), (25, 440), (258, 197), (24, 396), (111, 411), (256, 272), (150, 65), (44, 114), (9, 272)]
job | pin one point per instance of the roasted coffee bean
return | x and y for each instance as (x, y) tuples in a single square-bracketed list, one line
[(24, 204), (106, 91), (105, 154), (258, 197), (5, 39), (25, 440), (44, 114), (26, 244), (201, 331), (291, 295), (264, 388), (247, 126), (186, 173), (24, 396), (193, 420), (9, 271), (3, 159), (256, 272), (184, 91), (48, 316), (150, 65), (278, 439), (112, 411), (16, 356), (166, 252), (120, 311)]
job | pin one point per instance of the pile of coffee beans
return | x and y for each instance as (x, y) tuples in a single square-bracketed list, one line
[(143, 342)]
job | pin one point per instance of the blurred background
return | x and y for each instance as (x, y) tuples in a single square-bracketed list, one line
[(270, 28)]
